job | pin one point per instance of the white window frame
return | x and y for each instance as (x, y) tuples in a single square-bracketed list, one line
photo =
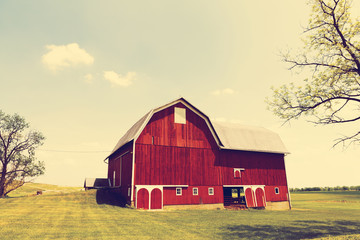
[(195, 191), (114, 176), (180, 191), (277, 190), (180, 115), (238, 170), (211, 191)]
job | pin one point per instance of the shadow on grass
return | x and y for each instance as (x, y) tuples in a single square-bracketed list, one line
[(299, 230), (110, 197)]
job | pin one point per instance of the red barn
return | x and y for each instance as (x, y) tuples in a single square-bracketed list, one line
[(175, 156)]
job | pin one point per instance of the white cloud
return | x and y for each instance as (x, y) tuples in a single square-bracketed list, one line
[(88, 78), (118, 80), (225, 91), (60, 56)]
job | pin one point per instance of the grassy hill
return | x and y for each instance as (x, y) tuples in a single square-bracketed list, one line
[(67, 213), (30, 189)]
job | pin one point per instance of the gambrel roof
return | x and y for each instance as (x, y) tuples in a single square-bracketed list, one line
[(226, 135), (132, 132), (249, 138)]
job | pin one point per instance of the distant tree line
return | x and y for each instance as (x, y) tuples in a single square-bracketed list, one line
[(326, 189)]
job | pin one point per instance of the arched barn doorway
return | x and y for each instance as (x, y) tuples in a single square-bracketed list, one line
[(156, 199), (260, 197), (142, 199), (249, 195)]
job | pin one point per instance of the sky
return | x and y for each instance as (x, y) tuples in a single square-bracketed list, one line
[(83, 72)]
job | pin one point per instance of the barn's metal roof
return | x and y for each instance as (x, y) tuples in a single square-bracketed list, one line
[(248, 138), (227, 135), (132, 132), (96, 183)]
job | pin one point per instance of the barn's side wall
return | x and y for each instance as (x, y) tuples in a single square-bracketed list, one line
[(170, 197), (260, 169), (121, 163)]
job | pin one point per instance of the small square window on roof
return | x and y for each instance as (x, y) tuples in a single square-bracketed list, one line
[(180, 115)]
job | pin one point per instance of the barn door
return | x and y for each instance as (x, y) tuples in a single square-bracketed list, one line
[(249, 195), (260, 197), (156, 199), (234, 196), (142, 199)]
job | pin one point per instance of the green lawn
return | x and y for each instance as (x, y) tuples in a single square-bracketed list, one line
[(66, 214)]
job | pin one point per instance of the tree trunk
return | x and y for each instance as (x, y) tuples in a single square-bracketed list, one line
[(2, 189), (2, 182)]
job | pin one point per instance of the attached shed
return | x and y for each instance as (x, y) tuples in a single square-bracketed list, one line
[(174, 156), (96, 183)]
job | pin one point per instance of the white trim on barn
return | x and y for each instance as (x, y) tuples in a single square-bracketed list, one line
[(287, 186), (132, 174), (178, 191), (150, 188), (247, 186), (182, 186), (238, 170)]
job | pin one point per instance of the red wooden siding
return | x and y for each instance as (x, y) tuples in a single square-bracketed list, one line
[(126, 173), (163, 165), (162, 130), (271, 196), (121, 163), (169, 153), (260, 168), (187, 197), (111, 168), (117, 171)]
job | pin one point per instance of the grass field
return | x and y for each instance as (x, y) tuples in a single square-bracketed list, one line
[(68, 213)]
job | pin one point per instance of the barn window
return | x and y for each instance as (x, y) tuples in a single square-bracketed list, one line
[(195, 191), (276, 190), (211, 191), (178, 191), (180, 115), (237, 172)]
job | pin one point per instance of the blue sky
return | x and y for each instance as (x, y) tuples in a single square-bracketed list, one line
[(82, 72)]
